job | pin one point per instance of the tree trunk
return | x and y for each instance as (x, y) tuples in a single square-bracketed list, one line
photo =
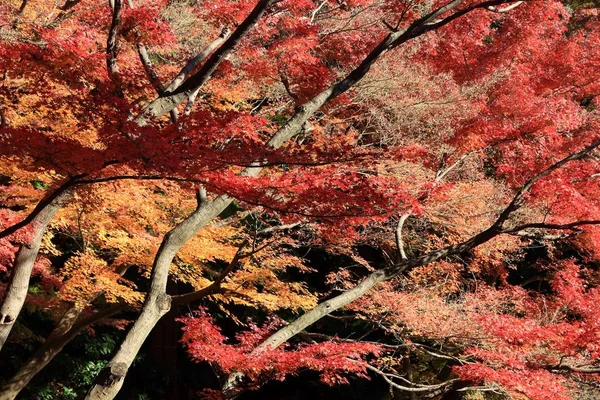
[(19, 280), (110, 380), (331, 305), (164, 346), (164, 104), (66, 330), (309, 318), (158, 303)]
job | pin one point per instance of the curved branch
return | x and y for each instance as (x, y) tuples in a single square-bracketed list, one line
[(505, 9), (573, 226), (214, 287), (417, 388), (45, 202), (153, 76), (66, 331), (164, 104), (335, 303), (574, 368), (519, 197), (191, 64), (399, 242), (16, 291)]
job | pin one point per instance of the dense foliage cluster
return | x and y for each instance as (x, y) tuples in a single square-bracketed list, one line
[(401, 191)]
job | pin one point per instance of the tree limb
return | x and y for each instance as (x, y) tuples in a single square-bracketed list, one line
[(573, 226), (153, 76), (216, 285), (47, 200), (330, 305), (399, 242), (172, 99), (111, 42), (191, 64), (505, 9), (419, 388)]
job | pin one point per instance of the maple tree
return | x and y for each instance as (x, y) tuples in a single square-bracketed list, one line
[(443, 136)]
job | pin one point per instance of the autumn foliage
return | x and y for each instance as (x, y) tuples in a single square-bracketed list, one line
[(405, 192)]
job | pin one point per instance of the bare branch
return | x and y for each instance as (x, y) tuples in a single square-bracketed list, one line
[(216, 285), (111, 42), (494, 388), (399, 242), (441, 173), (428, 350), (420, 388), (191, 64), (153, 76), (278, 228), (47, 200), (316, 11), (505, 9), (519, 198), (379, 276), (191, 101), (166, 103), (69, 4), (389, 26), (23, 5), (201, 196), (428, 19), (346, 340), (573, 226), (432, 23), (541, 236), (581, 369)]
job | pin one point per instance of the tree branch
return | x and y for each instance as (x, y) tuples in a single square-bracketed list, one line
[(69, 4), (172, 99), (191, 64), (153, 76), (399, 242), (441, 174), (47, 200), (278, 228), (574, 368), (111, 42), (519, 198), (330, 305), (573, 226), (505, 9), (201, 196), (417, 388)]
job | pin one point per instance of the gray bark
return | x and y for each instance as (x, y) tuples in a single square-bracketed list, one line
[(66, 330), (497, 228), (309, 318), (111, 41), (178, 80), (18, 286), (323, 309), (69, 4), (153, 76), (331, 305), (165, 104), (158, 303), (69, 326), (110, 380)]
